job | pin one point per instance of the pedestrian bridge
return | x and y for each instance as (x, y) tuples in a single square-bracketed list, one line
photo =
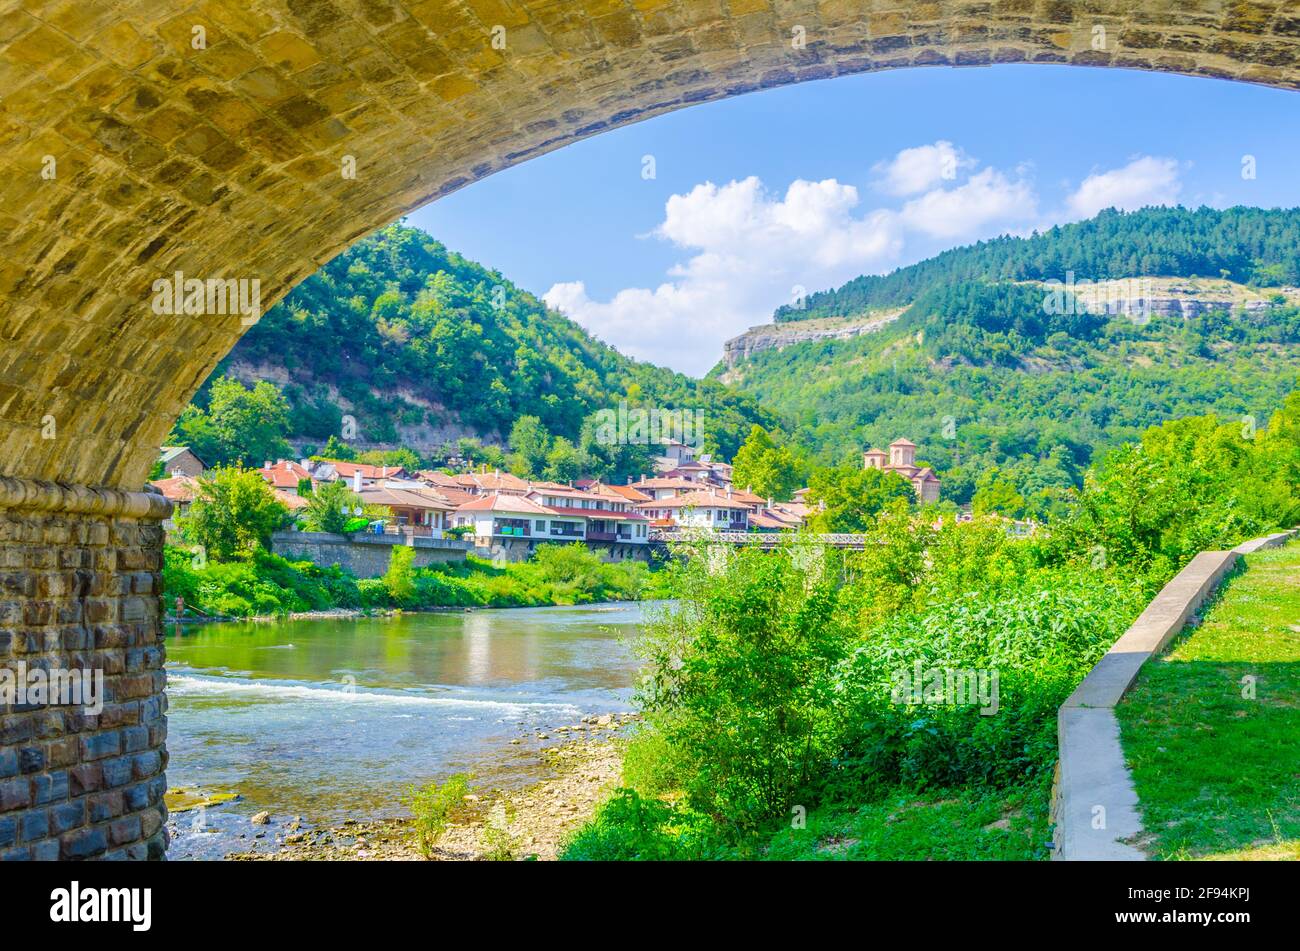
[(761, 539)]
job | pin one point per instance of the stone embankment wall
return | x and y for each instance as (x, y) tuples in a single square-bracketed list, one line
[(366, 556)]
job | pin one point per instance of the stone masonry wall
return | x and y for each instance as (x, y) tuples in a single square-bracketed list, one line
[(80, 589), (366, 556)]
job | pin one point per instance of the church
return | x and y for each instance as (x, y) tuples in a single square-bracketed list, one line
[(901, 458)]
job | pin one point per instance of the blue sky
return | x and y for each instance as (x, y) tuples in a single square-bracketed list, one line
[(761, 197)]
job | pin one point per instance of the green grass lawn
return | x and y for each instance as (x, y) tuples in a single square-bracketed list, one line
[(1211, 730), (964, 825)]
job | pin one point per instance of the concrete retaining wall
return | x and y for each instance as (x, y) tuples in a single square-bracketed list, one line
[(1095, 804), (366, 556)]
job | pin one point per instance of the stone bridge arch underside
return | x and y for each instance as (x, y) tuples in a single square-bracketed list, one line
[(140, 138)]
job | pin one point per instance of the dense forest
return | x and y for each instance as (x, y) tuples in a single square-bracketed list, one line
[(1010, 401), (1247, 245), (414, 342)]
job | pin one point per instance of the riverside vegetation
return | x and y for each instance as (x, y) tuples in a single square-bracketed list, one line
[(259, 583), (772, 723)]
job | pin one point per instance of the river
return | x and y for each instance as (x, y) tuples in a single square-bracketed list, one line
[(331, 719)]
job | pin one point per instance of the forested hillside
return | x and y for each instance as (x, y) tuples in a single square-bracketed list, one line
[(422, 346), (1246, 245), (1010, 396)]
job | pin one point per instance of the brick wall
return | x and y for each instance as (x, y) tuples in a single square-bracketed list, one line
[(79, 590)]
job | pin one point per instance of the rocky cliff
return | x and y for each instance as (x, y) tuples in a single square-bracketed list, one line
[(780, 336)]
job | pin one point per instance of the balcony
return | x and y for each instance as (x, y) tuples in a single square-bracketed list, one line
[(413, 531), (602, 536)]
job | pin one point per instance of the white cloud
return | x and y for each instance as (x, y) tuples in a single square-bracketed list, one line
[(989, 196), (748, 251), (1143, 181), (924, 166)]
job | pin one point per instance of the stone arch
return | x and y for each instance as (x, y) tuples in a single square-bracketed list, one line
[(211, 139)]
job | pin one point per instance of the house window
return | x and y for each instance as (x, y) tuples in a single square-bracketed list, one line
[(540, 525)]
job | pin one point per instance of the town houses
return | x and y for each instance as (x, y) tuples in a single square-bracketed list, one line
[(501, 511)]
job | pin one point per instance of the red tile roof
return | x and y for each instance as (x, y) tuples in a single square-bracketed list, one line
[(284, 474), (368, 471), (629, 493), (598, 514), (177, 488), (699, 500), (504, 503)]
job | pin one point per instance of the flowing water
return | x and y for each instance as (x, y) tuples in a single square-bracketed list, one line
[(331, 719)]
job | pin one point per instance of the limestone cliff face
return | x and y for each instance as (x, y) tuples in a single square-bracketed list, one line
[(1143, 299), (780, 336)]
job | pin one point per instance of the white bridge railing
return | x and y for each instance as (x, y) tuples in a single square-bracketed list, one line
[(768, 539)]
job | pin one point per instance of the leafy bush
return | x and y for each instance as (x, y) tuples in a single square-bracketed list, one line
[(399, 579), (269, 584), (630, 827), (234, 512), (739, 680), (433, 806)]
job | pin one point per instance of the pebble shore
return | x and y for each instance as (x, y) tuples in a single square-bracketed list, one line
[(536, 820)]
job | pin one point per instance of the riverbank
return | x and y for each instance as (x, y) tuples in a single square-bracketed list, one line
[(533, 822), (263, 584)]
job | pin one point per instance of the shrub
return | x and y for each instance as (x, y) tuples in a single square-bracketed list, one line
[(433, 806), (739, 681), (399, 579), (630, 827), (234, 511)]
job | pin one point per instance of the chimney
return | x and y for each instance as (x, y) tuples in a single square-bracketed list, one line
[(728, 491), (267, 464), (356, 481), (769, 501), (748, 488), (288, 466), (629, 480), (305, 463)]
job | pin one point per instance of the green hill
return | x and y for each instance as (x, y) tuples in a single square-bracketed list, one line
[(1246, 245), (422, 347), (994, 387)]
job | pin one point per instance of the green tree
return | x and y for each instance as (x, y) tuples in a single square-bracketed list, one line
[(330, 507), (234, 511), (408, 459), (240, 425), (399, 579), (564, 461), (530, 444), (848, 498), (336, 448), (765, 467), (997, 495)]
